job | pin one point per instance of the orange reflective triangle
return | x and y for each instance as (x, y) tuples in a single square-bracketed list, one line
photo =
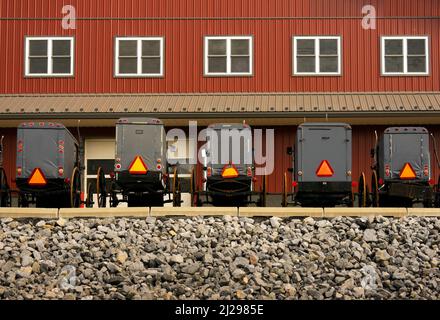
[(138, 166), (230, 172), (408, 172), (325, 169), (37, 178)]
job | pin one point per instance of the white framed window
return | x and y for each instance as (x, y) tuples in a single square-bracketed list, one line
[(228, 56), (317, 56), (49, 56), (405, 56), (139, 57)]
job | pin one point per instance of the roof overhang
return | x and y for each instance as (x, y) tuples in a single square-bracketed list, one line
[(258, 108)]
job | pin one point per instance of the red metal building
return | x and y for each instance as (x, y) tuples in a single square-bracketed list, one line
[(273, 63)]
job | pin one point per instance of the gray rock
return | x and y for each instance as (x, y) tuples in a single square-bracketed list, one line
[(370, 235), (191, 269)]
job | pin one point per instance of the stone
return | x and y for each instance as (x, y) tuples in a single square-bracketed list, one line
[(382, 255), (240, 294), (309, 221), (191, 269), (370, 235), (253, 259), (176, 259), (25, 272), (26, 261), (122, 257), (61, 222), (8, 266), (275, 222), (358, 292), (238, 274)]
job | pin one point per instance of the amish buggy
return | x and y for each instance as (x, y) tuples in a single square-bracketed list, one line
[(321, 172), (402, 173), (5, 190), (48, 167), (229, 170), (142, 176)]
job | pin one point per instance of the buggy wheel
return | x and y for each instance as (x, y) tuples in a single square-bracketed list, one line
[(374, 190), (284, 195), (23, 201), (5, 192), (193, 188), (176, 189), (362, 193), (263, 196), (89, 200), (114, 201), (101, 192), (437, 194), (75, 189)]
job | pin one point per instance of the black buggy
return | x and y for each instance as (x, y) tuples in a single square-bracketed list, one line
[(48, 168), (142, 176), (5, 190), (229, 170), (402, 170), (321, 172)]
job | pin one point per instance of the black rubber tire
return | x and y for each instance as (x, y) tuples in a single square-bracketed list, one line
[(75, 189), (5, 192), (90, 193), (374, 190), (284, 194), (177, 195), (363, 191), (101, 192), (263, 196)]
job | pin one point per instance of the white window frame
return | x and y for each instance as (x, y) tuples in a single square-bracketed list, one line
[(317, 56), (405, 55), (139, 73), (50, 73), (228, 72)]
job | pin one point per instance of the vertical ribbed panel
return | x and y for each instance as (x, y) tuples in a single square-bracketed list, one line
[(184, 43)]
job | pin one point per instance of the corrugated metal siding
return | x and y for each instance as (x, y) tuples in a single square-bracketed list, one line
[(184, 24)]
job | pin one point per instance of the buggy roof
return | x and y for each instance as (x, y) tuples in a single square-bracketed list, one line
[(144, 121), (46, 125), (231, 126), (406, 130), (324, 124)]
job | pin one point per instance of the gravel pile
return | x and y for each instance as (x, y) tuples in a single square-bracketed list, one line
[(220, 258)]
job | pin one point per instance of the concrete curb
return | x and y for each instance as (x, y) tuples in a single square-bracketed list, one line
[(365, 212), (105, 213), (193, 212), (281, 212), (28, 213), (423, 212)]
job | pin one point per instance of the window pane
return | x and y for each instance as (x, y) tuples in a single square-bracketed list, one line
[(416, 46), (38, 65), (305, 47), (328, 46), (328, 64), (151, 65), (128, 48), (151, 48), (393, 64), (393, 47), (61, 65), (127, 65), (217, 65), (240, 47), (217, 47), (416, 64), (306, 64), (61, 48), (240, 64), (38, 47)]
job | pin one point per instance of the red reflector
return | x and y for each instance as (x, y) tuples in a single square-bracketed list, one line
[(138, 166), (354, 184), (209, 171), (294, 184), (37, 178), (407, 172), (380, 181), (325, 170), (431, 182)]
